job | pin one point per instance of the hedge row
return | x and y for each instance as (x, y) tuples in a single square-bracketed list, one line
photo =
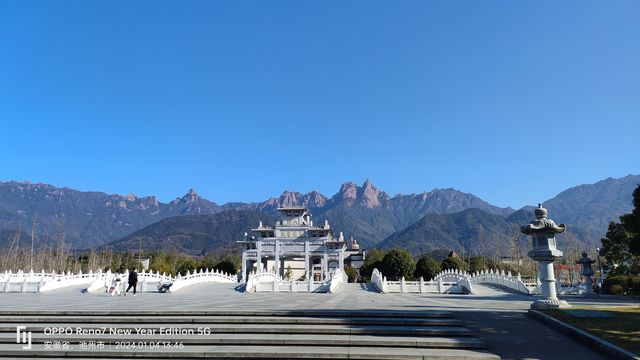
[(622, 285)]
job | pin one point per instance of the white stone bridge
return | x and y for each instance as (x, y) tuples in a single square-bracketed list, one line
[(449, 281), (454, 282), (92, 282)]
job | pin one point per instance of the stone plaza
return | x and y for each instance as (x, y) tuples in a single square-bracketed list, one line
[(356, 322)]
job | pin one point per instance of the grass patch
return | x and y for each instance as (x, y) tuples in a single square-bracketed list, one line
[(618, 325)]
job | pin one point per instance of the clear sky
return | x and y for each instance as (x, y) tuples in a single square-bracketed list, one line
[(513, 101)]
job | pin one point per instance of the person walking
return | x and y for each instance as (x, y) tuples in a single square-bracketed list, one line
[(133, 282)]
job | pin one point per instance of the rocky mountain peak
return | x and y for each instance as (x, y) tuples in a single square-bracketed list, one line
[(191, 196), (153, 200), (367, 195), (370, 195), (348, 191), (289, 198), (315, 199), (131, 197), (192, 203), (312, 199)]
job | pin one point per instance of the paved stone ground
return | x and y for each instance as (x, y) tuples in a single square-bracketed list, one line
[(499, 318)]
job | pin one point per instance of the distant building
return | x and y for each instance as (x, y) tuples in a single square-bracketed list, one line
[(295, 247), (354, 256), (507, 260)]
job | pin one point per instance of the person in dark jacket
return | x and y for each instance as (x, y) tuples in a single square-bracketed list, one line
[(133, 281)]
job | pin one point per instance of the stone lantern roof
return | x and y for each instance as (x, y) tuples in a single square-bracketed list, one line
[(541, 224)]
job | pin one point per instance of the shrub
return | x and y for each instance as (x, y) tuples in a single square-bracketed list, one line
[(616, 289), (622, 284), (615, 280), (352, 273), (634, 286)]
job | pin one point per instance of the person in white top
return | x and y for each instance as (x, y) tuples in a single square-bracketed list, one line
[(116, 286)]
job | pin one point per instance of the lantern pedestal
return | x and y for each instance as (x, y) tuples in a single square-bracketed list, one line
[(542, 231)]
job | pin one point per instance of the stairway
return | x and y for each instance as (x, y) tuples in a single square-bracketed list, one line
[(308, 334)]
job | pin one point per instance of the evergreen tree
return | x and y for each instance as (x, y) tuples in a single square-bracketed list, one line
[(398, 263), (373, 260), (427, 268), (454, 263), (615, 245), (631, 223), (621, 245), (186, 265), (479, 263), (226, 266)]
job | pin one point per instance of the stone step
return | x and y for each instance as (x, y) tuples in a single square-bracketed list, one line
[(262, 328), (304, 334), (254, 352), (237, 313), (34, 319), (266, 339)]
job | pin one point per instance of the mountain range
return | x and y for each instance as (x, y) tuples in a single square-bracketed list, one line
[(446, 217), (193, 234), (83, 219), (370, 214)]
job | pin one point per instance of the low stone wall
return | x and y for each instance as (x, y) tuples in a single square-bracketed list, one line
[(269, 282)]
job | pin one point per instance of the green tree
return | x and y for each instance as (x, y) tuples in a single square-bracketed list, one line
[(478, 263), (453, 263), (621, 245), (398, 263), (631, 223), (123, 262), (615, 245), (185, 265), (225, 266), (373, 260), (427, 268), (209, 261), (160, 263)]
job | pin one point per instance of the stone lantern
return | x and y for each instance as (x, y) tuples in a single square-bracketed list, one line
[(542, 231), (587, 272)]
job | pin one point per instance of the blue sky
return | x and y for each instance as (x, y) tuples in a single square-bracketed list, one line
[(513, 101)]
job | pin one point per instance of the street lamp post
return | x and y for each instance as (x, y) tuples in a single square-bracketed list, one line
[(599, 270)]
